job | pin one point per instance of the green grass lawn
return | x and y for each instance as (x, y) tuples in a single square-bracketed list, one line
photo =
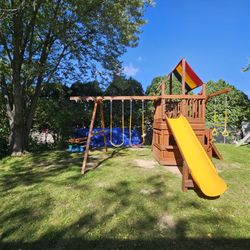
[(46, 203)]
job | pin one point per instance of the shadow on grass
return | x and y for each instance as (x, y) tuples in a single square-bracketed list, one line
[(119, 198), (109, 244), (116, 152), (141, 227), (37, 168)]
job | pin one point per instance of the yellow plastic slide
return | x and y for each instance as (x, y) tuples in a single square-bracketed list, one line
[(201, 167)]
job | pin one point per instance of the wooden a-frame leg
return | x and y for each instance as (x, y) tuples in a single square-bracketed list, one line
[(84, 163), (103, 127)]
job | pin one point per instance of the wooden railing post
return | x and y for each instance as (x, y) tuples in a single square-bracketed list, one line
[(183, 89), (163, 101)]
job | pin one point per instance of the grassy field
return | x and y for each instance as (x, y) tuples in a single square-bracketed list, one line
[(123, 203)]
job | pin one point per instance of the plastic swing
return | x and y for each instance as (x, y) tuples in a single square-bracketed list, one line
[(142, 125), (111, 127)]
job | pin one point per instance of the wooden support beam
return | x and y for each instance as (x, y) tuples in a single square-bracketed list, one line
[(203, 89), (86, 154), (183, 85), (183, 77), (170, 83), (220, 92), (163, 101), (135, 98)]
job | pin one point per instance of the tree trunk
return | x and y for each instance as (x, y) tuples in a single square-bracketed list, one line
[(17, 145)]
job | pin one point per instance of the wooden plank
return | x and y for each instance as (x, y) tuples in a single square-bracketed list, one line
[(220, 92), (215, 152), (203, 89)]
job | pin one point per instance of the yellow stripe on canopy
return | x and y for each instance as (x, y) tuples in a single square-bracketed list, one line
[(188, 80)]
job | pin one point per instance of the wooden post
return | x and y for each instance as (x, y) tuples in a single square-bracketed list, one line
[(170, 83), (84, 163), (103, 127), (183, 79), (203, 89), (185, 174), (203, 102), (183, 89), (163, 101)]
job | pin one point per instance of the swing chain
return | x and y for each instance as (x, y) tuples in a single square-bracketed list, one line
[(214, 131), (225, 131), (111, 126)]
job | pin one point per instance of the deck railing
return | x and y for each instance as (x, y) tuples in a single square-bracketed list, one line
[(192, 108)]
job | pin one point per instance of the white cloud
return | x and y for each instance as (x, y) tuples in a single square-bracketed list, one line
[(139, 58), (130, 70)]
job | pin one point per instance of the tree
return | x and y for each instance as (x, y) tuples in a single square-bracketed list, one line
[(237, 104), (43, 41), (4, 130)]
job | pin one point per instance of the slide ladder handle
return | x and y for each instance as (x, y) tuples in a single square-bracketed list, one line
[(143, 134), (111, 126)]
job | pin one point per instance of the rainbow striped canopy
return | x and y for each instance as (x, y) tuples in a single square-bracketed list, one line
[(192, 81)]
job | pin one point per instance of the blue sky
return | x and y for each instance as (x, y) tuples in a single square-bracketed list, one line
[(213, 35)]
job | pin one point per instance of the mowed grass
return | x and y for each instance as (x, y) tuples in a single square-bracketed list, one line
[(46, 203)]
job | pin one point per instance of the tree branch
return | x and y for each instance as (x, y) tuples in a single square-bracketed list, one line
[(3, 40), (30, 29)]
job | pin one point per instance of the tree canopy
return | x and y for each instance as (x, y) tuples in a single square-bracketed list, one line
[(45, 41), (237, 104), (153, 88)]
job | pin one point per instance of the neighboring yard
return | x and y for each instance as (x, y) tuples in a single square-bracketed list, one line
[(46, 203)]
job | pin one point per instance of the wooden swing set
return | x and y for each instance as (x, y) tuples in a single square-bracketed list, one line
[(164, 147)]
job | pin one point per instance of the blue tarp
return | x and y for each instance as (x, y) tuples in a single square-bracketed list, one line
[(97, 140)]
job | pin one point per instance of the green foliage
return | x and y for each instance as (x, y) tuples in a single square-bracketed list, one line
[(77, 34), (237, 106), (127, 87), (47, 41), (60, 115), (86, 89), (154, 88), (122, 86)]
